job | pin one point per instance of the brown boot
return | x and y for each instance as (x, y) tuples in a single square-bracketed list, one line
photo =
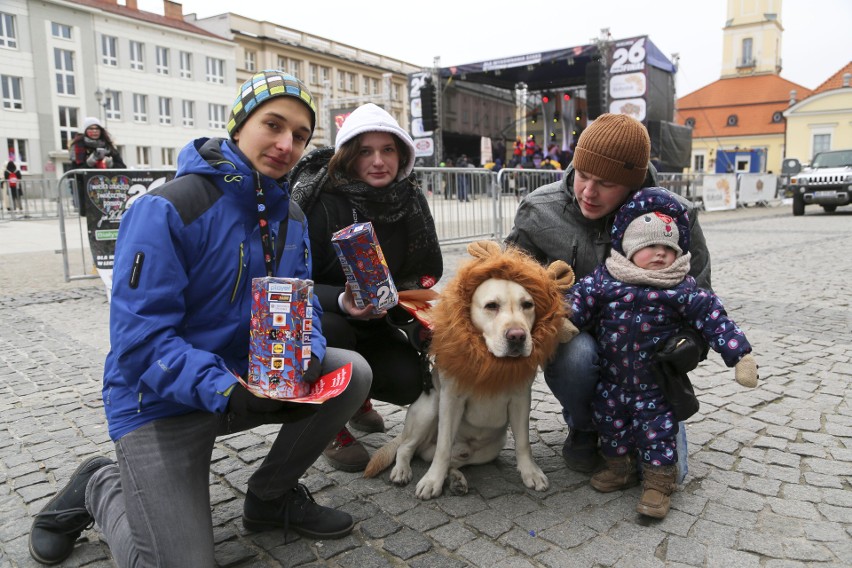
[(620, 473), (346, 453), (658, 483), (366, 419)]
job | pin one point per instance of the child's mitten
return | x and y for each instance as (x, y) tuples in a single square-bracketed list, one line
[(745, 371)]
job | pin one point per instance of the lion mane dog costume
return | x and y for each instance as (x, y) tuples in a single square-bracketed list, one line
[(497, 321)]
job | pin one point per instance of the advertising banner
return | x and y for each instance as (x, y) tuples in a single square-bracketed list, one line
[(108, 194), (719, 192), (424, 144), (628, 78), (755, 188)]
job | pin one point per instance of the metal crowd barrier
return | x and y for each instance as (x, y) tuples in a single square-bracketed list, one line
[(467, 204)]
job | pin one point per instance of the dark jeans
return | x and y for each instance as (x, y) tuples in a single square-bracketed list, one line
[(397, 376)]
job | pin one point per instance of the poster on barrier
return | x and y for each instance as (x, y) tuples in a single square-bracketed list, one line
[(108, 195), (755, 188), (719, 192)]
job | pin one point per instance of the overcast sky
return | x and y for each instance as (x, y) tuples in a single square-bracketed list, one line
[(817, 40)]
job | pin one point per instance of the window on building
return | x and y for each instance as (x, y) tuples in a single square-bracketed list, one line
[(137, 55), (251, 60), (216, 116), (112, 105), (143, 156), (351, 84), (732, 120), (188, 113), (313, 71), (162, 60), (185, 65), (140, 108), (17, 149), (777, 117), (61, 31), (822, 143), (165, 111), (215, 70), (8, 31), (325, 74), (167, 156), (295, 68), (395, 91), (109, 50), (698, 163), (63, 60), (13, 98), (67, 125), (341, 80), (690, 122), (748, 56)]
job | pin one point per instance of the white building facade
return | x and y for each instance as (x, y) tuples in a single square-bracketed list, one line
[(155, 81)]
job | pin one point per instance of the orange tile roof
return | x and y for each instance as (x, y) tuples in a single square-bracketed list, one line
[(110, 6), (752, 99), (835, 81)]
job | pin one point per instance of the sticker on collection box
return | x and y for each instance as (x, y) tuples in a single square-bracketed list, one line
[(280, 337)]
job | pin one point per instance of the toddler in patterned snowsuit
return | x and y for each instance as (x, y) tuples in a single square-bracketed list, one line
[(635, 300)]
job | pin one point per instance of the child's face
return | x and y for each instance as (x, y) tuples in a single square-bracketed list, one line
[(654, 257)]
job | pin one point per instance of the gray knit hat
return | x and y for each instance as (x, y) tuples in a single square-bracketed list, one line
[(615, 147), (653, 228), (263, 86)]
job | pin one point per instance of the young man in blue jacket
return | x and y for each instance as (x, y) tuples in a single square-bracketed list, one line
[(179, 334)]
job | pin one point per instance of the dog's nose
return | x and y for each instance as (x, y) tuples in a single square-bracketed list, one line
[(516, 335)]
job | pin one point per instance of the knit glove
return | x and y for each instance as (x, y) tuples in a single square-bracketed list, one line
[(312, 373), (745, 371), (242, 401)]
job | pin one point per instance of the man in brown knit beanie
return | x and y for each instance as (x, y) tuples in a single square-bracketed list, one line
[(570, 220)]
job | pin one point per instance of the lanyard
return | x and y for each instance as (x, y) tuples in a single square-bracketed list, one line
[(263, 222)]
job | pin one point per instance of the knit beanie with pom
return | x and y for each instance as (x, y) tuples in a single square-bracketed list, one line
[(616, 148)]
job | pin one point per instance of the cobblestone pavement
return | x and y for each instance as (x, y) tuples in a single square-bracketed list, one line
[(770, 468)]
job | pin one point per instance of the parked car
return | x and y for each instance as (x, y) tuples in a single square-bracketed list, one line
[(827, 182)]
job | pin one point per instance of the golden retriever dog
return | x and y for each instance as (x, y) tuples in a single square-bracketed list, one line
[(494, 325)]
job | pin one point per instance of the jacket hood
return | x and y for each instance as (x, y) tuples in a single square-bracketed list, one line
[(646, 200), (221, 160)]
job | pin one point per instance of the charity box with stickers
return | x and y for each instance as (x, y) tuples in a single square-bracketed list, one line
[(365, 267), (280, 336)]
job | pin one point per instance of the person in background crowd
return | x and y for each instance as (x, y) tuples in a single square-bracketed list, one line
[(14, 186), (92, 149), (570, 220), (368, 176), (186, 255)]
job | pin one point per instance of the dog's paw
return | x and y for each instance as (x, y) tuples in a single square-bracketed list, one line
[(534, 478), (458, 482), (428, 488), (400, 474)]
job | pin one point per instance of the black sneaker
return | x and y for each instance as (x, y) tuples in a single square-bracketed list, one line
[(296, 510), (580, 451), (59, 524)]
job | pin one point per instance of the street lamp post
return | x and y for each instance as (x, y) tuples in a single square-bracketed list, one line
[(103, 100)]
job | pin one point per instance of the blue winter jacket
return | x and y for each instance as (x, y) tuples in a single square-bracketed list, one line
[(181, 300)]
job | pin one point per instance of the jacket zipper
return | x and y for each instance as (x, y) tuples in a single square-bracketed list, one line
[(239, 273)]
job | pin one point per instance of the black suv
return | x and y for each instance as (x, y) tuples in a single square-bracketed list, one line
[(826, 182)]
